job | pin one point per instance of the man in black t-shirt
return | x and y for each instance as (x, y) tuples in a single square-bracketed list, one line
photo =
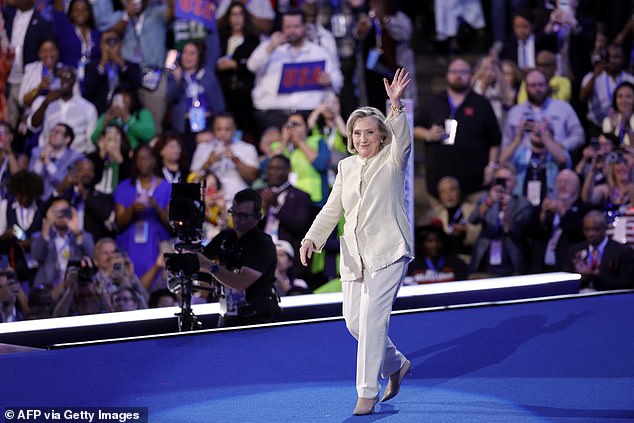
[(461, 133), (243, 260)]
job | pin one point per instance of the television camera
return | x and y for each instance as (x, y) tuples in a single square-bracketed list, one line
[(186, 217)]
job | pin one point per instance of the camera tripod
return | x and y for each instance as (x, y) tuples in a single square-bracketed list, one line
[(187, 320)]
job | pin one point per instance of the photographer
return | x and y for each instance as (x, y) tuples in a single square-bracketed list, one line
[(126, 112), (597, 87), (326, 122), (503, 216), (539, 162), (60, 241), (21, 216), (596, 151), (243, 259), (113, 151), (112, 71), (82, 295), (115, 270), (95, 209), (564, 125), (617, 192), (13, 302)]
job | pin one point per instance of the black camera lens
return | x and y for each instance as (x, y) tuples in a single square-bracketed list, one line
[(86, 273)]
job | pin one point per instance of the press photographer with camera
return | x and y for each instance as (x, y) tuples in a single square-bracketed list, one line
[(597, 150), (13, 302), (60, 241), (598, 86), (617, 192), (82, 294), (115, 271), (537, 163), (243, 259), (504, 217)]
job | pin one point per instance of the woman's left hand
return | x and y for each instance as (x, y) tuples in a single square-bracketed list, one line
[(396, 88)]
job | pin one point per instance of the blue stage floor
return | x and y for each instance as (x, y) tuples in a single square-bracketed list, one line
[(568, 360)]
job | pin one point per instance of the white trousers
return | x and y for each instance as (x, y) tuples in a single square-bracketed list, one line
[(366, 308)]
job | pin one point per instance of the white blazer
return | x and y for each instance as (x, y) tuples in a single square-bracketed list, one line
[(370, 194)]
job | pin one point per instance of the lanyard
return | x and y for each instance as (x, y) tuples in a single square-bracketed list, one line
[(431, 266), (86, 43), (556, 221), (192, 87), (62, 244), (77, 200), (537, 162), (137, 28), (150, 191), (46, 72), (455, 218), (171, 176), (24, 216), (608, 89), (452, 107), (3, 168), (498, 223), (379, 33), (621, 132), (112, 70)]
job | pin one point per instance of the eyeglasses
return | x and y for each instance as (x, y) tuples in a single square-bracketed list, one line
[(293, 124), (241, 215)]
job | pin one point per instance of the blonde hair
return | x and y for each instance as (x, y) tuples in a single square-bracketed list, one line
[(364, 112)]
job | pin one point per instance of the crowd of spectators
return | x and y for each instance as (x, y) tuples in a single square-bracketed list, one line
[(528, 154), (528, 157)]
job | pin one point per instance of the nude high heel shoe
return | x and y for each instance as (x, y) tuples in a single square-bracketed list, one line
[(394, 384), (365, 406)]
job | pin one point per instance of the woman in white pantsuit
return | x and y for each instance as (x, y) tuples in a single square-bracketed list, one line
[(376, 244)]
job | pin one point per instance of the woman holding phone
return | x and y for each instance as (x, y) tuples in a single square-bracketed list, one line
[(194, 91), (141, 211), (126, 112)]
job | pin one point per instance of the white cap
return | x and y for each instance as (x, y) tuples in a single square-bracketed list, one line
[(286, 247)]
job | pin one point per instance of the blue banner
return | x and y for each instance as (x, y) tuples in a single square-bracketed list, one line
[(203, 11), (304, 76)]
